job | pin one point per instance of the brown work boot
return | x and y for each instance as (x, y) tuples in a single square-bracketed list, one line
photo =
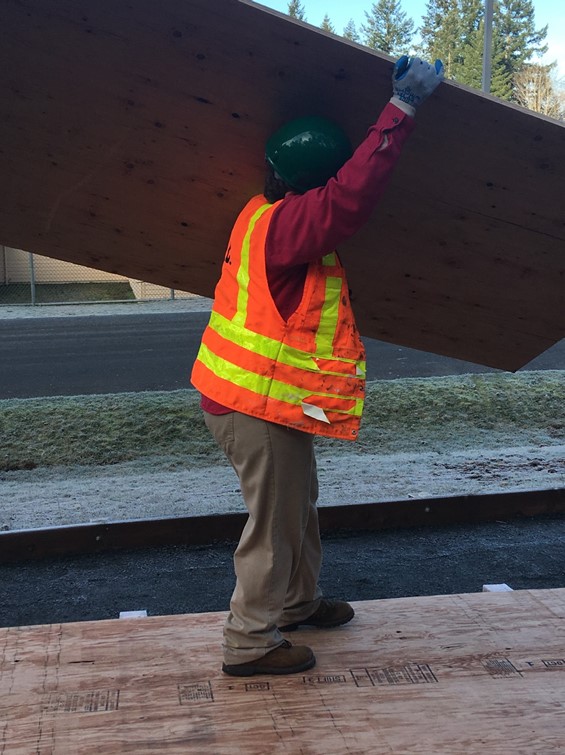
[(284, 659), (330, 613)]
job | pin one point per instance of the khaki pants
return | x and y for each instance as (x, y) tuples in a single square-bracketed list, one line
[(278, 559)]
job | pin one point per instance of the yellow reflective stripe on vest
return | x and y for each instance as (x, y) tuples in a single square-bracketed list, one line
[(329, 259), (329, 316), (266, 386), (273, 349), (243, 272)]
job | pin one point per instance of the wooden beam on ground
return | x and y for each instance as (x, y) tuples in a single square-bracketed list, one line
[(24, 545), (472, 673), (132, 133)]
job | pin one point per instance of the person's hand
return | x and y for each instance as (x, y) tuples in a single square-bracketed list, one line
[(413, 80)]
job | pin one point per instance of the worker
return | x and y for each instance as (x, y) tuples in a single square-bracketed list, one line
[(281, 361)]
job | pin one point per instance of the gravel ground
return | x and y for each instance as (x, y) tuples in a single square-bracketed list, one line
[(138, 490)]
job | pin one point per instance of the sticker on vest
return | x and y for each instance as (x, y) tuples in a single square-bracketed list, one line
[(315, 412)]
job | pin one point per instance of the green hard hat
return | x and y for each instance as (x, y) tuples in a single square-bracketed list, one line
[(306, 152)]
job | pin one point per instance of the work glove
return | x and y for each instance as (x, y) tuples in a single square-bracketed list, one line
[(413, 80)]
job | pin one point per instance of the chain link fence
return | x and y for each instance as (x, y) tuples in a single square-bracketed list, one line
[(27, 278)]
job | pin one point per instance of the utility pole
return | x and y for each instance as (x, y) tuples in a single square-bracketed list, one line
[(487, 49)]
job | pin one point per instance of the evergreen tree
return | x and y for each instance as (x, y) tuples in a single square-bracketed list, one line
[(388, 28), (443, 32), (518, 38), (350, 31), (296, 10), (327, 25), (468, 66), (453, 30), (470, 71), (469, 49)]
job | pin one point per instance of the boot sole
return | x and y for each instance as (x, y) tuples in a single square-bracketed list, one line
[(246, 669), (329, 625)]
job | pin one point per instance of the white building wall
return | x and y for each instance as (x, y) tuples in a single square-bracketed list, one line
[(16, 269)]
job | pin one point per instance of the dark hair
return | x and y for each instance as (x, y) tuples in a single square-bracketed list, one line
[(275, 188)]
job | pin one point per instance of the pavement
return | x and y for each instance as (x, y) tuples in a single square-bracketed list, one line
[(97, 309), (75, 350), (524, 554)]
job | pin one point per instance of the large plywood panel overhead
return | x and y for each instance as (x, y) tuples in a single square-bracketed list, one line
[(132, 133)]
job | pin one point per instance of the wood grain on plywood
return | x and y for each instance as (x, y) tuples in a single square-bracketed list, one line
[(132, 134), (450, 674)]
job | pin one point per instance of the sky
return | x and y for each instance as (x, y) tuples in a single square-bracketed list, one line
[(549, 12)]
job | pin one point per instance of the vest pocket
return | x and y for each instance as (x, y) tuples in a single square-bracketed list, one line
[(352, 368)]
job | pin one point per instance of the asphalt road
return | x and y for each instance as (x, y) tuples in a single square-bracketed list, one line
[(525, 554), (63, 356)]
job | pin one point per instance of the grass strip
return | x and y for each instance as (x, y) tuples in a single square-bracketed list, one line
[(408, 414)]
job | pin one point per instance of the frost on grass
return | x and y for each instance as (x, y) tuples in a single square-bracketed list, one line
[(132, 456)]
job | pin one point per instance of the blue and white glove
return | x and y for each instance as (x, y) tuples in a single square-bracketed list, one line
[(413, 80)]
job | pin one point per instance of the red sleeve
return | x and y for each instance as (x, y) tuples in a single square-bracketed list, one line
[(307, 226)]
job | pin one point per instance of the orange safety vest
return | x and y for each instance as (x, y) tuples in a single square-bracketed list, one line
[(307, 373)]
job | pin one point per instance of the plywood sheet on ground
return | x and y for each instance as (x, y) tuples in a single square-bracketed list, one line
[(481, 673), (132, 134)]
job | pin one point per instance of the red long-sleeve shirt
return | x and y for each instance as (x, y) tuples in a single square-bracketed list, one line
[(305, 227)]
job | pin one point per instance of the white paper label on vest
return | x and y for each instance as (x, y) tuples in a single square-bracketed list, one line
[(315, 412)]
